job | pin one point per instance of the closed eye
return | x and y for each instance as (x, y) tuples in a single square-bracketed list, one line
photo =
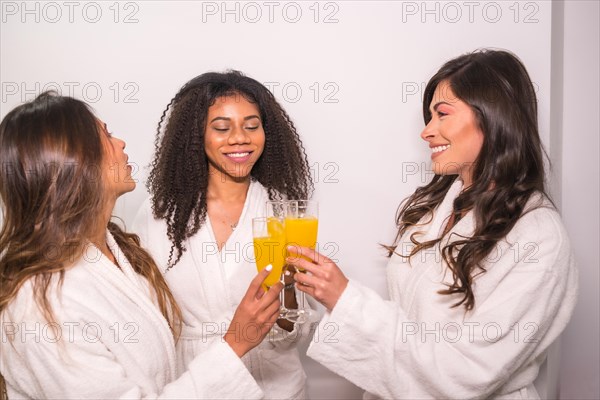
[(438, 110)]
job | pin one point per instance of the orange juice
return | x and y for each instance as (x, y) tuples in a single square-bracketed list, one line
[(275, 226), (302, 231), (271, 250)]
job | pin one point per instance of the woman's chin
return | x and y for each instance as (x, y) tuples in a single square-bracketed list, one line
[(237, 173)]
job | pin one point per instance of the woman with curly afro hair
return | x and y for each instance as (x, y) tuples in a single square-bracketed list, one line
[(224, 147)]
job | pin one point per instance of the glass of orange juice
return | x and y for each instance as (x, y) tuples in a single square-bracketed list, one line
[(302, 223), (268, 236), (301, 227), (276, 212), (269, 247)]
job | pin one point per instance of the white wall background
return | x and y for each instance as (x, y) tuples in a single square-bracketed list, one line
[(580, 371), (351, 75)]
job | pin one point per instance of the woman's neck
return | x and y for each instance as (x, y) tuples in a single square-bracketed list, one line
[(226, 189), (225, 200), (99, 237)]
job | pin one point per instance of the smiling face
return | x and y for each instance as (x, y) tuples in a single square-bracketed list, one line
[(234, 137), (453, 135), (115, 169)]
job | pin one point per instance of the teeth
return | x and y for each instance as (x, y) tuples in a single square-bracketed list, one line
[(439, 148), (238, 155)]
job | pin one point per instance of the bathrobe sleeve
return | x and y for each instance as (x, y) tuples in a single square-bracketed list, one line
[(379, 348), (80, 365), (215, 373)]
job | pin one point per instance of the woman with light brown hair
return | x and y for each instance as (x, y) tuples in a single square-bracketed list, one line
[(84, 310)]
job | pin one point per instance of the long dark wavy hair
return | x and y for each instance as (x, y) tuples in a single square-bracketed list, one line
[(507, 171), (178, 179), (52, 188)]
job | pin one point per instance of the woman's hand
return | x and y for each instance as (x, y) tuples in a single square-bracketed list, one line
[(324, 280), (255, 315)]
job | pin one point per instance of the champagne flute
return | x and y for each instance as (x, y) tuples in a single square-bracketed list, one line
[(276, 211), (269, 248), (301, 227)]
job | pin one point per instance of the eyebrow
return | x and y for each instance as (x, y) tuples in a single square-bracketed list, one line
[(229, 119)]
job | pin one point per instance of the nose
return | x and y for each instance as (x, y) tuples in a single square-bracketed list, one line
[(238, 136), (428, 132), (121, 142)]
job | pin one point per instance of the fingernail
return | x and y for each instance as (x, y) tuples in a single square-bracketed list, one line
[(269, 267)]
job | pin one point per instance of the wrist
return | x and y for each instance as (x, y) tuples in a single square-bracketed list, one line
[(235, 345), (331, 306)]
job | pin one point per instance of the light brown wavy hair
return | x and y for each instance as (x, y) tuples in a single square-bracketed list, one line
[(507, 172), (178, 179), (51, 187)]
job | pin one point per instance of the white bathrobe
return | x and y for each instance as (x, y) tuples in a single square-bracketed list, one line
[(110, 341), (416, 346), (209, 284)]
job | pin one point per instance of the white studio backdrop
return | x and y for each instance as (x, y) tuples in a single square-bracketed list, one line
[(350, 74)]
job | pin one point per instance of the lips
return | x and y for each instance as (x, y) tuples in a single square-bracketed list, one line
[(436, 150), (238, 157)]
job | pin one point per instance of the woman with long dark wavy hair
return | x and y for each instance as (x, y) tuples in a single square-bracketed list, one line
[(481, 276), (224, 147), (84, 310)]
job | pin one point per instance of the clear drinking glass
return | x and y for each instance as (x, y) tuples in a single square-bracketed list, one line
[(268, 236), (301, 227), (276, 211)]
